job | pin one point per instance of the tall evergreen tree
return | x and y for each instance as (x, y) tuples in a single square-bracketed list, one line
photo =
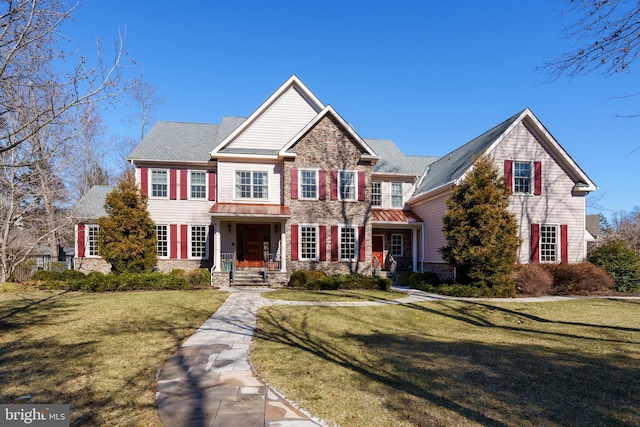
[(127, 237), (481, 232)]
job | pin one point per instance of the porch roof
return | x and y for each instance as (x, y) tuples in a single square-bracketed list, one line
[(382, 216), (252, 210)]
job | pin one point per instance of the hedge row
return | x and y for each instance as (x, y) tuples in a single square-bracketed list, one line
[(318, 280), (561, 279)]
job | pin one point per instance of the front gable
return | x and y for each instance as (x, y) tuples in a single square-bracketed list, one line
[(274, 123)]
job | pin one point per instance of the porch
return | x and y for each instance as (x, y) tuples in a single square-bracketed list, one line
[(396, 242)]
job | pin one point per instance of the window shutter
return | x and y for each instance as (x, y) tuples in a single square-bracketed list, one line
[(334, 243), (294, 242), (535, 243), (537, 178), (144, 181), (323, 242), (294, 183), (184, 181), (322, 185), (508, 174), (564, 244), (361, 244), (172, 184), (184, 241), (361, 187), (334, 185), (81, 228), (212, 185), (173, 241)]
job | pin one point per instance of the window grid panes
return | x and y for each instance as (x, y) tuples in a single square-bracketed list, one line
[(308, 242), (251, 185), (376, 194), (159, 183), (548, 243), (396, 245), (308, 184), (396, 195), (162, 238), (522, 177), (198, 185), (198, 241), (347, 185), (92, 240), (259, 185), (348, 243)]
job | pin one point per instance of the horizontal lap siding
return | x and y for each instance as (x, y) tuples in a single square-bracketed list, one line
[(179, 211), (431, 213)]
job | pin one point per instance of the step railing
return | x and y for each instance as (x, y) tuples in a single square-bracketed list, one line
[(229, 264)]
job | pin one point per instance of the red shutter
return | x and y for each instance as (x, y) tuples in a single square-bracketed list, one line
[(535, 243), (334, 185), (294, 183), (184, 241), (294, 242), (334, 243), (144, 181), (361, 186), (81, 228), (537, 178), (361, 244), (322, 185), (173, 241), (212, 185), (564, 244), (323, 242), (184, 181), (508, 174), (172, 184), (210, 237)]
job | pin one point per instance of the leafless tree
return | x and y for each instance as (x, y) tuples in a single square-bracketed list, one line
[(143, 95)]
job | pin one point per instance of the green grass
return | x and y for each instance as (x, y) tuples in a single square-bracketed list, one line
[(333, 296), (457, 363), (97, 352)]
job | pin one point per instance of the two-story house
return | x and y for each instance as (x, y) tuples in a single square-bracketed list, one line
[(293, 186)]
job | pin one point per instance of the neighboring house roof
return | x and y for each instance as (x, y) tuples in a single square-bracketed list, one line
[(453, 165), (592, 224), (178, 142), (91, 205), (392, 160)]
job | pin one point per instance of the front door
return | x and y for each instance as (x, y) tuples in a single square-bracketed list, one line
[(378, 250), (252, 240)]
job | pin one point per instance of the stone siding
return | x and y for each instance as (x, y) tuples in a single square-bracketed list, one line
[(168, 265), (444, 271), (87, 265)]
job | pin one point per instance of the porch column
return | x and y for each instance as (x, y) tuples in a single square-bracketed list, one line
[(283, 247), (414, 248), (216, 245)]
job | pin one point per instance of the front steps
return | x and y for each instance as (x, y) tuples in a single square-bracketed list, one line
[(249, 278)]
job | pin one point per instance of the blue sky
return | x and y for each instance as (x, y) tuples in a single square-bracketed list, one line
[(428, 75)]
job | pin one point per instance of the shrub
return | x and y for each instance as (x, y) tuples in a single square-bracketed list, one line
[(622, 263), (46, 275), (454, 290), (404, 278), (178, 272), (578, 279), (532, 279), (72, 275), (427, 277), (198, 277), (349, 281), (22, 271), (298, 279), (316, 274)]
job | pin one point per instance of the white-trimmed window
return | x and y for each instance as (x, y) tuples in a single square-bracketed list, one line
[(396, 195), (549, 243), (308, 242), (348, 189), (376, 194), (252, 185), (159, 183), (92, 240), (199, 241), (348, 243), (308, 184), (198, 181), (162, 237), (396, 245), (522, 174)]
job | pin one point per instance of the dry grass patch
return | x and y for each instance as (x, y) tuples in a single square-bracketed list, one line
[(333, 296), (98, 352), (457, 363)]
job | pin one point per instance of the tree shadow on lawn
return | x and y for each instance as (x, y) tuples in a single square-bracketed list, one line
[(512, 382)]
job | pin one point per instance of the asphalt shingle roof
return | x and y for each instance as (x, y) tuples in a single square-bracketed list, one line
[(91, 205), (453, 165), (392, 160)]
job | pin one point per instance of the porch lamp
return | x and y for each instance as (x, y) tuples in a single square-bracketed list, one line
[(275, 228), (229, 227)]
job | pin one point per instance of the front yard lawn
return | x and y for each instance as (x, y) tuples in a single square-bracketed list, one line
[(98, 352), (334, 296), (457, 362)]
